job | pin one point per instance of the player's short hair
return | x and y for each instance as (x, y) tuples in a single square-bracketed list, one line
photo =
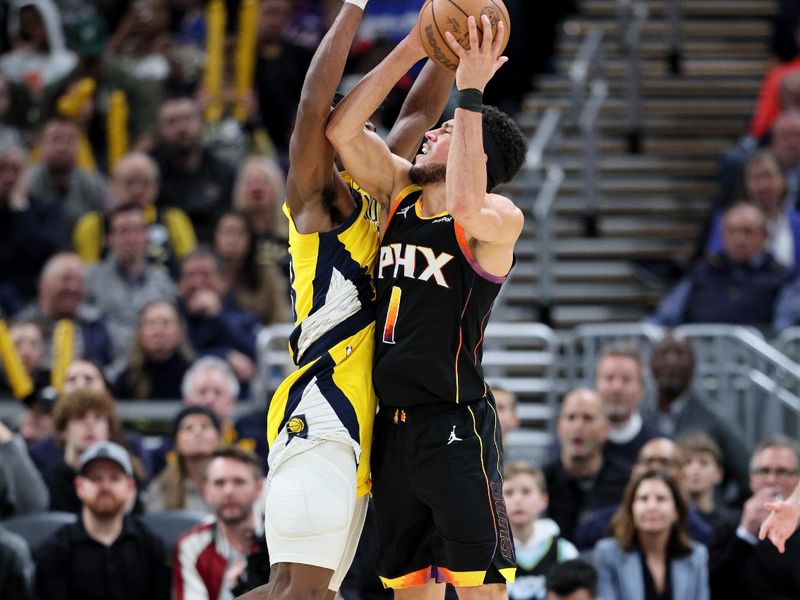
[(570, 576), (509, 141), (521, 467)]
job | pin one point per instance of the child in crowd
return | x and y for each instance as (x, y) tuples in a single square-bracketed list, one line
[(537, 541), (703, 473)]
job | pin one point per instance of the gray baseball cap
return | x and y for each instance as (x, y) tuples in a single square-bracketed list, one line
[(109, 451)]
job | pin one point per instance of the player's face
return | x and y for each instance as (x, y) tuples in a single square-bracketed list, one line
[(231, 488), (196, 436), (524, 500), (436, 145), (620, 386), (702, 473), (104, 488), (653, 507)]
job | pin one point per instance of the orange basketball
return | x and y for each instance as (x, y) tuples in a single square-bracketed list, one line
[(438, 16)]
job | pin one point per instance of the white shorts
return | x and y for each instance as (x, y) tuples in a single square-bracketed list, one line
[(312, 515)]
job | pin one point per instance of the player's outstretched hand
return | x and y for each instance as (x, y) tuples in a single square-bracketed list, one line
[(780, 524), (478, 64)]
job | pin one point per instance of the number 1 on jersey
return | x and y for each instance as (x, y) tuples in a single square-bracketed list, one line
[(391, 316)]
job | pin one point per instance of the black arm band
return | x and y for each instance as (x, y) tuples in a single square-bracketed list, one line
[(470, 99)]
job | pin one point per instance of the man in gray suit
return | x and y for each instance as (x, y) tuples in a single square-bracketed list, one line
[(679, 410)]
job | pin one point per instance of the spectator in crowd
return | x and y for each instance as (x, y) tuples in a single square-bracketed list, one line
[(105, 554), (141, 43), (769, 104), (584, 477), (741, 285), (32, 231), (702, 475), (9, 134), (505, 403), (84, 374), (784, 143), (63, 315), (210, 557), (159, 357), (573, 579), (537, 543), (765, 186), (210, 382), (22, 489), (649, 554), (16, 567), (756, 569), (85, 92), (38, 53), (58, 179), (28, 342), (215, 322), (680, 410), (259, 193), (135, 180), (81, 418), (619, 381), (659, 453), (195, 435), (281, 66), (258, 286), (121, 285), (35, 423), (192, 179)]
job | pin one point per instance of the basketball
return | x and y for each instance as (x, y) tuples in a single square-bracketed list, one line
[(438, 16)]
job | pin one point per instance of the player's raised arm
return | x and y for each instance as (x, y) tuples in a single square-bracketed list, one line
[(421, 110), (471, 169), (310, 153), (364, 154)]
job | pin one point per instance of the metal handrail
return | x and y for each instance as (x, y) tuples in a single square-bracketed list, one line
[(586, 62), (635, 16), (587, 122), (547, 131), (674, 36), (542, 211)]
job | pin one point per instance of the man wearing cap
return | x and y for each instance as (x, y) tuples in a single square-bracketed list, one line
[(106, 554)]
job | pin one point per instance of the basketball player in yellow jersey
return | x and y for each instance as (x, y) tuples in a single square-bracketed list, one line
[(319, 422)]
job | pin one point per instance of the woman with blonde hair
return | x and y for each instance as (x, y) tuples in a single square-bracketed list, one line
[(650, 556)]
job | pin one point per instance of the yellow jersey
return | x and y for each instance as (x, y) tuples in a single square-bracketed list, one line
[(333, 304)]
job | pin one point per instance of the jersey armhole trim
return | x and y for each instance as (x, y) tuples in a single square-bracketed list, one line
[(464, 245)]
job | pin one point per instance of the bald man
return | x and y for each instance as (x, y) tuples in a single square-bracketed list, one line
[(60, 310), (584, 477)]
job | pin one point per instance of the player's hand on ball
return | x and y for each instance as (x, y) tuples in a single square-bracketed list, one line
[(482, 60)]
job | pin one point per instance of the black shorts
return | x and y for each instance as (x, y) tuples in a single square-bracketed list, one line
[(438, 490)]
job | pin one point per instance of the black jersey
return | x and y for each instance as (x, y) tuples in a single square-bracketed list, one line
[(434, 301)]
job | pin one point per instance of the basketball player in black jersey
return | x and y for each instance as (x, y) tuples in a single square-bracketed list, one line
[(448, 244), (310, 531)]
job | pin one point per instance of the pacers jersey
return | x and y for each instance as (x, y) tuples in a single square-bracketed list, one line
[(433, 304), (333, 303)]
